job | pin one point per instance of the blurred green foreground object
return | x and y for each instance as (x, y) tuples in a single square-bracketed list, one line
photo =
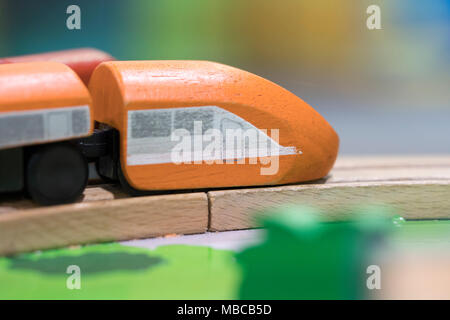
[(304, 258)]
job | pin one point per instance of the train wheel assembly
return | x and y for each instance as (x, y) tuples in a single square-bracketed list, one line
[(56, 173)]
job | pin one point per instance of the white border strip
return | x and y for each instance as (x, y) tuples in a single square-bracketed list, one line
[(53, 128)]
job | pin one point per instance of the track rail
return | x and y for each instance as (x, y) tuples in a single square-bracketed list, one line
[(416, 187)]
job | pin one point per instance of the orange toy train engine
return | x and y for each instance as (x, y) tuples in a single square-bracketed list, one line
[(159, 125)]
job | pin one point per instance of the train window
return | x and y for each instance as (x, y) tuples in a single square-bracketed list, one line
[(80, 121), (150, 123), (44, 125), (185, 118), (58, 124), (150, 140), (32, 128), (228, 124), (242, 139)]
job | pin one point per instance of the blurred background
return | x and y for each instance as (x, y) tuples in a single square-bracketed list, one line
[(385, 91)]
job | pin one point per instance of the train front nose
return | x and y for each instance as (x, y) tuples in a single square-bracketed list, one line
[(318, 143)]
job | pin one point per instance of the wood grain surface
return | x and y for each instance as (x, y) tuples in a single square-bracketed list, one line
[(241, 209), (415, 187), (102, 220)]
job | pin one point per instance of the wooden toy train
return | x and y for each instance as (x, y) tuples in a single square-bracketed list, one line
[(149, 124)]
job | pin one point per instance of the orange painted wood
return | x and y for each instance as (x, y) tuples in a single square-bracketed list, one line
[(83, 61), (40, 85), (100, 219), (119, 87)]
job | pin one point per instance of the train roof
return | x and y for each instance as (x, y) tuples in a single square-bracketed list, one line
[(83, 60), (40, 85), (190, 81)]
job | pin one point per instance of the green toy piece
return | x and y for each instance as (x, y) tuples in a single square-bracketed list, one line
[(304, 258)]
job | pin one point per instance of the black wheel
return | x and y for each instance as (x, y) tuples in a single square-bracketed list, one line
[(56, 174)]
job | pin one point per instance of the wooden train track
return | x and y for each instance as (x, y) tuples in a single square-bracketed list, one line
[(416, 187)]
